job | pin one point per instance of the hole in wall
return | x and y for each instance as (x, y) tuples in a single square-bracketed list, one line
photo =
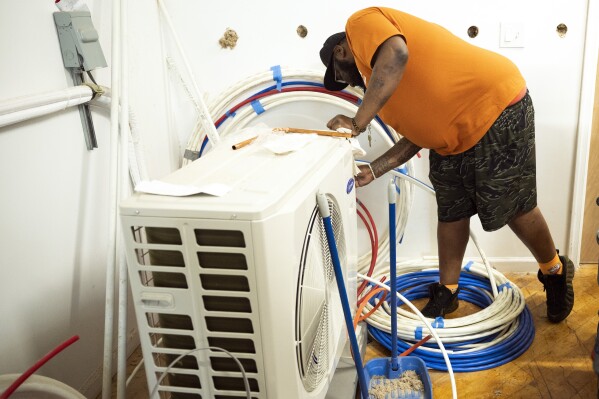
[(561, 30), (229, 39), (473, 31), (302, 31)]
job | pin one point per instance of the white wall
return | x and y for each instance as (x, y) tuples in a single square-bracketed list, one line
[(54, 205)]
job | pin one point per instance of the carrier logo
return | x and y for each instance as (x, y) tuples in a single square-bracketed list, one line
[(350, 185)]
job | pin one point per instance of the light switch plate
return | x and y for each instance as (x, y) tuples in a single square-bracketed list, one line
[(511, 34)]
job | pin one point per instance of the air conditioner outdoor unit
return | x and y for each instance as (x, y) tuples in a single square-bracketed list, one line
[(248, 272)]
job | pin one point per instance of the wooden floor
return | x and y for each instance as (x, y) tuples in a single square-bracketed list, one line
[(556, 366)]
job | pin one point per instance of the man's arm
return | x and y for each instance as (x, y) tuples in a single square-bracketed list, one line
[(389, 64), (400, 153)]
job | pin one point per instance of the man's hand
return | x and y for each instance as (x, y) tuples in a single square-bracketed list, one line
[(364, 177), (342, 121)]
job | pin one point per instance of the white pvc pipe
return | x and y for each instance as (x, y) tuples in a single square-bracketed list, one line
[(123, 191), (25, 102), (113, 197), (24, 114), (204, 114)]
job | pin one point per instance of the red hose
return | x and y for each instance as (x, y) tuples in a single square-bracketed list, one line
[(13, 387)]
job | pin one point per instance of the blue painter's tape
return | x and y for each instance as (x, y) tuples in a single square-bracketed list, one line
[(468, 266), (418, 333), (438, 323), (257, 107), (504, 285), (277, 76), (229, 113)]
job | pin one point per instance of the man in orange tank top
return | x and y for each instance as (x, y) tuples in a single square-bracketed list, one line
[(470, 107)]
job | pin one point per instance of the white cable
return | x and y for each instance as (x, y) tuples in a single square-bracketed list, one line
[(134, 372), (10, 118), (432, 330), (207, 122), (212, 348)]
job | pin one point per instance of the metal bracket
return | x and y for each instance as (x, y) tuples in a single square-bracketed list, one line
[(81, 52)]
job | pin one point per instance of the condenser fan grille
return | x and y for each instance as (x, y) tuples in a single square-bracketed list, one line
[(315, 287)]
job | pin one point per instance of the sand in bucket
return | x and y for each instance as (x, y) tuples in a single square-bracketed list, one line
[(408, 382)]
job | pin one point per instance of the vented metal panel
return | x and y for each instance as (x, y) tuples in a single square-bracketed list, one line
[(194, 287)]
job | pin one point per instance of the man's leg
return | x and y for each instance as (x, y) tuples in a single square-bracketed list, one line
[(452, 239), (532, 230), (556, 273)]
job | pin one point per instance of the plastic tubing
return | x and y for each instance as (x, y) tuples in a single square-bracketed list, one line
[(473, 353), (206, 122), (137, 158), (17, 383), (30, 113), (39, 100)]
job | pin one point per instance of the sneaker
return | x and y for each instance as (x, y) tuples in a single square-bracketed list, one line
[(441, 301), (559, 291)]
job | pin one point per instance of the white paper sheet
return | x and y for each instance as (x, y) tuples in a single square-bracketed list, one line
[(176, 190)]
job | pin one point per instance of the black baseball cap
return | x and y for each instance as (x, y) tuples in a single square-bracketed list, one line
[(326, 56)]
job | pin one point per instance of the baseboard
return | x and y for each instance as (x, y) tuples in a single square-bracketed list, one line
[(511, 264), (501, 264)]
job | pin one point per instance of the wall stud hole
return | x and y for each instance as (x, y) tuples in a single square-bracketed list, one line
[(302, 31), (562, 29), (473, 31)]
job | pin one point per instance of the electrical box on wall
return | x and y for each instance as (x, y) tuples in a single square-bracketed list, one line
[(79, 40)]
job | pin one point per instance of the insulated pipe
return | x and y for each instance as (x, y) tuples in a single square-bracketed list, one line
[(137, 158), (123, 191), (204, 114), (11, 118), (25, 102), (113, 198)]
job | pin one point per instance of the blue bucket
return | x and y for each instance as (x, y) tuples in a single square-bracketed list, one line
[(382, 368)]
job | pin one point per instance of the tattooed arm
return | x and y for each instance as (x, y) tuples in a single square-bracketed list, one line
[(388, 63)]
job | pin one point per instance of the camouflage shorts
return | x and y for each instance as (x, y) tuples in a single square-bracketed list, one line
[(496, 178)]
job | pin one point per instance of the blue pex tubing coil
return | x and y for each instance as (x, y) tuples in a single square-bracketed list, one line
[(500, 332)]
